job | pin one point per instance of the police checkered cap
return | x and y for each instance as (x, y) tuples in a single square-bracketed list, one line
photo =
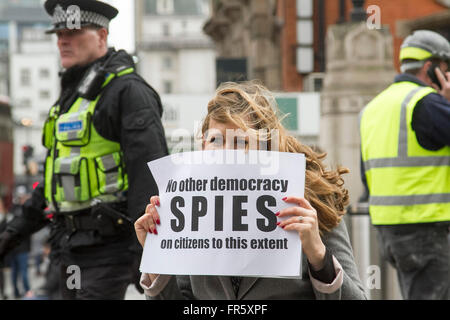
[(85, 17), (71, 13)]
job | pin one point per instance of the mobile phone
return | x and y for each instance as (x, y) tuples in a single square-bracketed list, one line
[(432, 74)]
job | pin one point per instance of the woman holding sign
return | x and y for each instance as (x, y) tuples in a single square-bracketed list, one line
[(328, 267)]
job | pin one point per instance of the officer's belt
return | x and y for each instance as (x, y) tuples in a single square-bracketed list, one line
[(82, 221)]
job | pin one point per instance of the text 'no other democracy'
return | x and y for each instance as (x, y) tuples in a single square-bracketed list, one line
[(233, 184)]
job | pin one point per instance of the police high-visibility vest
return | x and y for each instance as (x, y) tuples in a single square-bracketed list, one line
[(81, 165), (407, 183)]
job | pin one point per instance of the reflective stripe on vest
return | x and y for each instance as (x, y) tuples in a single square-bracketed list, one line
[(82, 166), (409, 184)]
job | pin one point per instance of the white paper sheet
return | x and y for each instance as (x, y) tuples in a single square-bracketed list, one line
[(217, 213)]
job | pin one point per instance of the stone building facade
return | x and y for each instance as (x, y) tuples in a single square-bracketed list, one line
[(248, 29)]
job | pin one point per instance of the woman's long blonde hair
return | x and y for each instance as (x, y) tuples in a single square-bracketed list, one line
[(252, 107)]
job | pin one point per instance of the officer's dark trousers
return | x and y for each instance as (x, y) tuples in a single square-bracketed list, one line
[(108, 282), (420, 254)]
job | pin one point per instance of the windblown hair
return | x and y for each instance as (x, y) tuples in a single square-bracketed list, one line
[(252, 107)]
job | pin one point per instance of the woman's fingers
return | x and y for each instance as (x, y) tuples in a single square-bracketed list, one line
[(154, 200), (148, 221), (302, 202), (301, 228), (142, 226), (297, 220), (303, 219), (153, 219), (303, 213), (295, 211)]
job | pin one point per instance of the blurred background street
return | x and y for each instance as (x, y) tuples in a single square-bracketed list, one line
[(37, 280)]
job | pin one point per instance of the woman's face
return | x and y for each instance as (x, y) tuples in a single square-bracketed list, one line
[(225, 136)]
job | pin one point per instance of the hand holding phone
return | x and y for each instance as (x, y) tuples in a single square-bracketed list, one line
[(432, 73), (441, 81)]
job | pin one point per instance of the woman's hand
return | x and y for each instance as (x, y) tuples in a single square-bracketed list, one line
[(148, 221), (304, 220)]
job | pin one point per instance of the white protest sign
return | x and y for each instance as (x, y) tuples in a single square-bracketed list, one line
[(217, 214)]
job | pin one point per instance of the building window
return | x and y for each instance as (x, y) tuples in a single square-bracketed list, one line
[(34, 33), (164, 6), (304, 8), (25, 77), (167, 63), (170, 114), (184, 26), (44, 94), (25, 103), (165, 29), (44, 73), (167, 87), (305, 36), (305, 60), (205, 7)]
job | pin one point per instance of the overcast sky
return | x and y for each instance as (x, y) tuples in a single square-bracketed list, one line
[(122, 26)]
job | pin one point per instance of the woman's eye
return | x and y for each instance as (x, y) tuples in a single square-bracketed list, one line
[(214, 140)]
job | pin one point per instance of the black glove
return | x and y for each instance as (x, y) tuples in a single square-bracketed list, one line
[(29, 221), (136, 274), (36, 204), (32, 216), (8, 241)]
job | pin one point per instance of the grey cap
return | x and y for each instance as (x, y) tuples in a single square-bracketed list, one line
[(430, 41)]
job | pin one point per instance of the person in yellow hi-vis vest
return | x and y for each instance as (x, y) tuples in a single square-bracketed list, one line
[(99, 135), (405, 148)]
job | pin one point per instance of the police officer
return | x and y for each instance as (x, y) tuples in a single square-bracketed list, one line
[(405, 146), (101, 132)]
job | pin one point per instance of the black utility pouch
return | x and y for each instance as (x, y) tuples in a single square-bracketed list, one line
[(110, 221), (103, 222)]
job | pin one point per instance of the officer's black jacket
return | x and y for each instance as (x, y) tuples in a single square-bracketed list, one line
[(128, 112)]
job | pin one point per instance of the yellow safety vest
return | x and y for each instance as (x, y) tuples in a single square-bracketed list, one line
[(407, 183), (81, 165)]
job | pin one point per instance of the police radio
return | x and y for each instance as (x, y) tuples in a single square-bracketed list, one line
[(92, 82)]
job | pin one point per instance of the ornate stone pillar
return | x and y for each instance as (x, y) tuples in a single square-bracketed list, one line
[(359, 66), (248, 29)]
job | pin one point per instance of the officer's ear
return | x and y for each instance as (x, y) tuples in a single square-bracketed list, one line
[(103, 35), (427, 65), (422, 72)]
